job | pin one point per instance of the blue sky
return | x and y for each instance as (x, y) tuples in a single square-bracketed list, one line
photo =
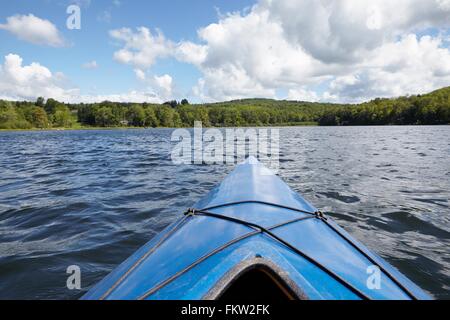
[(179, 19), (286, 50)]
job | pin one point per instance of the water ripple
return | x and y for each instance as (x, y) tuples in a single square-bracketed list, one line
[(92, 198)]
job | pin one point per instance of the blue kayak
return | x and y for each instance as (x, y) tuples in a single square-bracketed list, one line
[(252, 237)]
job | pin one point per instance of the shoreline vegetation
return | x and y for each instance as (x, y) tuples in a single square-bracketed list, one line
[(428, 109), (77, 127)]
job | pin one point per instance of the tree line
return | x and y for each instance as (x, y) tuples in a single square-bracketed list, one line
[(430, 109), (40, 114)]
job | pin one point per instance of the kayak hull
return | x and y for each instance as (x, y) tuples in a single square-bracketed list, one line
[(198, 257)]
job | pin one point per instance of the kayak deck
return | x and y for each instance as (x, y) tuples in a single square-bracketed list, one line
[(214, 253)]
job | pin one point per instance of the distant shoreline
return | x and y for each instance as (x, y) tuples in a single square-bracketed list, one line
[(243, 127), (88, 128), (72, 129), (428, 109)]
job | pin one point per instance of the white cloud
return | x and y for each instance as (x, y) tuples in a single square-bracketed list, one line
[(133, 96), (302, 94), (27, 82), (345, 30), (33, 29), (359, 49), (352, 49), (355, 49), (191, 53), (410, 66), (90, 65), (249, 56), (164, 86), (140, 74), (18, 82), (234, 64), (141, 48), (229, 83)]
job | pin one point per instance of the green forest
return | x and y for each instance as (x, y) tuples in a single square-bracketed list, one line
[(429, 109)]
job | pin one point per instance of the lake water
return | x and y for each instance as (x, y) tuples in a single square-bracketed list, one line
[(91, 198)]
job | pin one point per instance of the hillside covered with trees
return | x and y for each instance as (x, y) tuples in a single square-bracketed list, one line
[(429, 109)]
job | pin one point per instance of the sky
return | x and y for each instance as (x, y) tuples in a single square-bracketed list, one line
[(219, 50)]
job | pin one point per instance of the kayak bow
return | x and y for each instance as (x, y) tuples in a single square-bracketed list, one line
[(253, 237)]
